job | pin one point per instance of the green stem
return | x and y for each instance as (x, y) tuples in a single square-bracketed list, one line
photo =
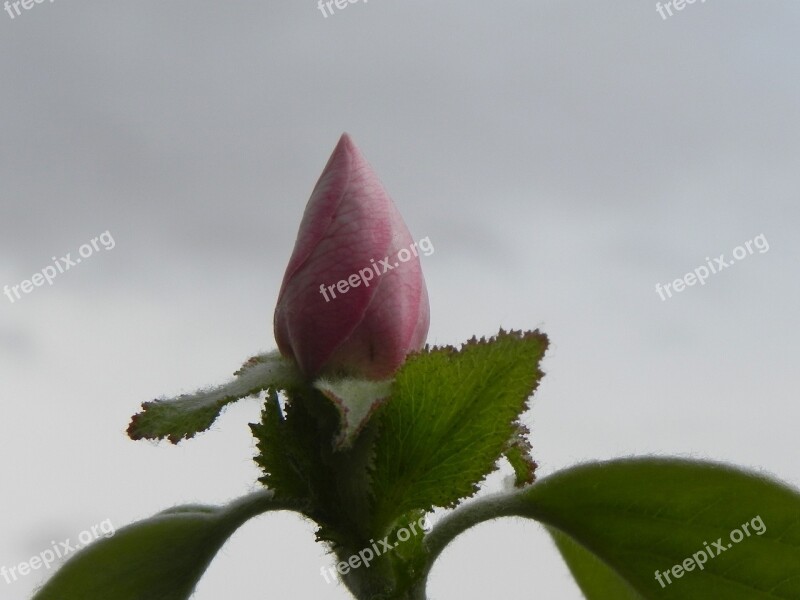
[(370, 586), (461, 519), (245, 508)]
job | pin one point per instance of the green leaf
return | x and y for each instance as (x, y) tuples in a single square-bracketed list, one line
[(595, 578), (161, 558), (637, 517), (519, 457), (285, 450), (302, 464), (183, 417), (450, 418)]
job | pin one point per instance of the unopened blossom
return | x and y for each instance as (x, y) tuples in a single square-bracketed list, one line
[(343, 307)]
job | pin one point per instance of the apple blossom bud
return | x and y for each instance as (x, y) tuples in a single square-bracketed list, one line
[(353, 299)]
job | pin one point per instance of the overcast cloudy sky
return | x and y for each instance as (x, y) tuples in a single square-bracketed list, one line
[(562, 157)]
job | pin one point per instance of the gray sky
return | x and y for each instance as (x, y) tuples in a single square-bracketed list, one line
[(563, 158)]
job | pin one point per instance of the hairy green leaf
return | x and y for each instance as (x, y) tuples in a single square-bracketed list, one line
[(663, 528), (519, 457), (161, 558), (302, 463), (596, 580), (183, 417), (449, 419), (285, 451)]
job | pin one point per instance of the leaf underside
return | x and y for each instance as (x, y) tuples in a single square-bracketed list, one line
[(623, 524), (639, 516), (161, 558), (185, 416)]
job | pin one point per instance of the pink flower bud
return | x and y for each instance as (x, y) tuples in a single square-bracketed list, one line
[(343, 307)]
